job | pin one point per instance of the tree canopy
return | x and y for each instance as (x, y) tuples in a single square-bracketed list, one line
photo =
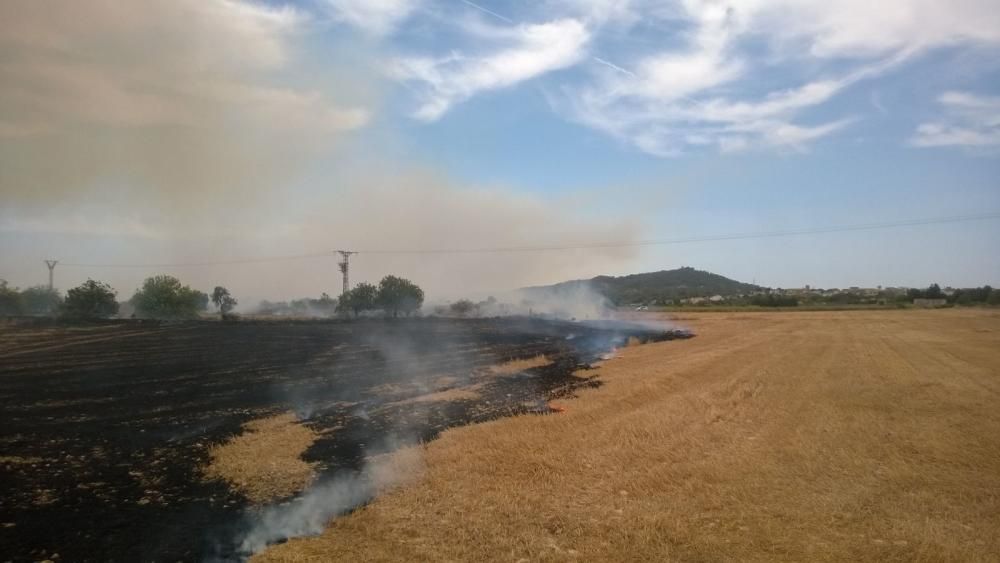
[(90, 300), (10, 300), (163, 297), (364, 297), (398, 295), (40, 300), (223, 300)]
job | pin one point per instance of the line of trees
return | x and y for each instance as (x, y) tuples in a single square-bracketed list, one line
[(160, 297), (165, 297), (975, 295), (984, 295), (889, 296), (394, 295), (36, 300), (774, 300)]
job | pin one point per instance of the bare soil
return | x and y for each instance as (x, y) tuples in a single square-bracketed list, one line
[(814, 436)]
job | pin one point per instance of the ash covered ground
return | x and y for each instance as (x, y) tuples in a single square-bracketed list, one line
[(105, 428)]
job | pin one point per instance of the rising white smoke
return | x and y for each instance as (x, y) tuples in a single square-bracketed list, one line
[(307, 514)]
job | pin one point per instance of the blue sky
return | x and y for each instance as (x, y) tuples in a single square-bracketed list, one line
[(504, 123)]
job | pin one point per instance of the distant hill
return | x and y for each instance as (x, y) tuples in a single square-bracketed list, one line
[(649, 288)]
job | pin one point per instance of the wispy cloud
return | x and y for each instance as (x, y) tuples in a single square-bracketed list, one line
[(676, 75), (859, 28), (526, 51), (970, 120), (376, 17), (696, 95)]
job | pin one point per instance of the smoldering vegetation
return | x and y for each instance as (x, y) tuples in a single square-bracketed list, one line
[(578, 302), (107, 427)]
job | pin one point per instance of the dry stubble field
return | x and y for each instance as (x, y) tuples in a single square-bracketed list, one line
[(813, 436)]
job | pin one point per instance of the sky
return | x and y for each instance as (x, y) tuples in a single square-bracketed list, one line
[(170, 135)]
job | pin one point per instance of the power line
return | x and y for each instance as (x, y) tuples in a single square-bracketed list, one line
[(581, 246), (207, 263)]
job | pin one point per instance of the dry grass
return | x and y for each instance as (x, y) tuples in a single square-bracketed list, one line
[(264, 462), (834, 436), (456, 394), (517, 366), (449, 388), (396, 469)]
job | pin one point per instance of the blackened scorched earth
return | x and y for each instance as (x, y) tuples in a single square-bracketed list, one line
[(104, 427)]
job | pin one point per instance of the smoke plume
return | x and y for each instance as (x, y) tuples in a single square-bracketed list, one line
[(176, 131), (166, 99)]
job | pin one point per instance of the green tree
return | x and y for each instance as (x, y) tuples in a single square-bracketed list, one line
[(362, 298), (398, 295), (223, 300), (11, 302), (163, 297), (90, 300), (40, 300), (994, 297), (934, 292)]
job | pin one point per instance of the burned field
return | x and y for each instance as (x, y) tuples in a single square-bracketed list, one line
[(106, 429)]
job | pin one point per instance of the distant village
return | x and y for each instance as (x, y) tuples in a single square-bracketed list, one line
[(933, 296)]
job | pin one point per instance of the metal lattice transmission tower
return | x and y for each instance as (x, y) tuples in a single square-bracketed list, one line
[(52, 266), (345, 266)]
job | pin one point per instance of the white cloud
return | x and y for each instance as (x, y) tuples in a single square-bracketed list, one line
[(528, 51), (860, 28), (695, 95), (377, 17), (704, 89), (970, 120), (797, 136)]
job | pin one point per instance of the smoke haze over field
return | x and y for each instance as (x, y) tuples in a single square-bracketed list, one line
[(417, 211), (161, 100), (168, 132)]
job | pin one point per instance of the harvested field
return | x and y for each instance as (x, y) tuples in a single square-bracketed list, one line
[(265, 462), (111, 432), (515, 366), (832, 436)]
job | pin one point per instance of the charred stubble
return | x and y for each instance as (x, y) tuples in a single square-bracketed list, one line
[(107, 427)]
